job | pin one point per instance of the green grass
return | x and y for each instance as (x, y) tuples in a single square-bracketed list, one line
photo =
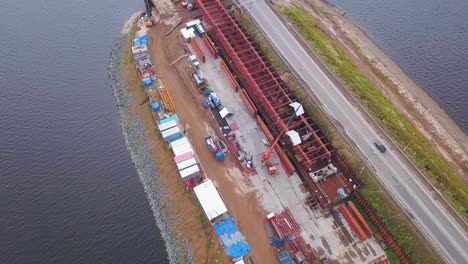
[(392, 257), (441, 175), (128, 56)]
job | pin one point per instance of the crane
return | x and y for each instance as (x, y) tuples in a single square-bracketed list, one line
[(266, 156), (149, 13)]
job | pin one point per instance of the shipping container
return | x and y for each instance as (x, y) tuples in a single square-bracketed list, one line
[(186, 163), (190, 172)]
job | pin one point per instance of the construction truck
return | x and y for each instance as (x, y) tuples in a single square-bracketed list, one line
[(214, 148)]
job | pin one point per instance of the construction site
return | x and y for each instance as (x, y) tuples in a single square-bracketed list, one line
[(269, 181)]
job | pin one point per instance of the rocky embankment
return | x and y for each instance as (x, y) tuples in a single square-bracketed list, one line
[(141, 153)]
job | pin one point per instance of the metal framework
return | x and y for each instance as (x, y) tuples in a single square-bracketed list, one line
[(264, 85)]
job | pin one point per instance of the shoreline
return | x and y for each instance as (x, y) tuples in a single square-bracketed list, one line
[(427, 115), (140, 151)]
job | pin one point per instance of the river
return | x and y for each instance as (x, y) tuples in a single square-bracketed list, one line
[(428, 39), (68, 190)]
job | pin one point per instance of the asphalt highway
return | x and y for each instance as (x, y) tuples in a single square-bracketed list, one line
[(394, 172)]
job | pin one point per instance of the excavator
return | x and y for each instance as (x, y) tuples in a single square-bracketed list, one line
[(149, 13)]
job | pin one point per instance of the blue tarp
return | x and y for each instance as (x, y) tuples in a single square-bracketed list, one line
[(155, 106), (147, 82), (165, 120), (136, 42), (144, 40), (220, 156), (278, 242), (285, 257), (233, 241)]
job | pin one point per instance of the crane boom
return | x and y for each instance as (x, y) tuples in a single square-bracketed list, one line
[(148, 6)]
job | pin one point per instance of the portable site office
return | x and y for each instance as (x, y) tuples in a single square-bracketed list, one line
[(139, 49), (210, 200), (186, 163), (171, 133), (185, 148), (190, 172), (167, 125), (179, 142), (183, 157)]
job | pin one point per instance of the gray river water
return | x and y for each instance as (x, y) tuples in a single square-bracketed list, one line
[(427, 38), (69, 192)]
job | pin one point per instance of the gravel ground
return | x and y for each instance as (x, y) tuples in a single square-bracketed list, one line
[(141, 155)]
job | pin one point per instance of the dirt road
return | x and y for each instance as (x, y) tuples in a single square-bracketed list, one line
[(242, 206)]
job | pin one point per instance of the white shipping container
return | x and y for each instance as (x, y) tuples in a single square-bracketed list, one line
[(190, 172), (186, 163), (171, 132), (210, 199), (179, 150), (138, 49), (167, 125), (179, 142)]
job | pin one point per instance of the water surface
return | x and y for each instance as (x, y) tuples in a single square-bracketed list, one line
[(68, 190), (427, 38)]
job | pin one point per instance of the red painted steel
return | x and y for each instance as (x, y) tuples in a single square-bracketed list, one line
[(263, 83), (357, 215), (210, 46), (278, 231), (231, 145), (231, 78), (352, 223), (248, 103), (197, 49)]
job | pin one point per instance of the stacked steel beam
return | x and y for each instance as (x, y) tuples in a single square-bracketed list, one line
[(264, 85)]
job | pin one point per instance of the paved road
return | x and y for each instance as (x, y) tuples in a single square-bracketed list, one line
[(440, 228)]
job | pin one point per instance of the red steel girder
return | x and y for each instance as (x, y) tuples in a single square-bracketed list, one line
[(272, 94)]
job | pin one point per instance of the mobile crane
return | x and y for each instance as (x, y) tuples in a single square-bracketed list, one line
[(149, 13), (266, 156)]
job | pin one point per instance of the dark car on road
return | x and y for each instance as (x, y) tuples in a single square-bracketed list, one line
[(380, 146)]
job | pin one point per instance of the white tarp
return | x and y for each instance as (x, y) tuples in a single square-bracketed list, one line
[(298, 109), (224, 112), (210, 200), (187, 33), (295, 138)]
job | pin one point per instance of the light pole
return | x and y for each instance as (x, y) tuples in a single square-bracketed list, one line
[(411, 139)]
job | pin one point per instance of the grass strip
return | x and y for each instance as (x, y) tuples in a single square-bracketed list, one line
[(441, 175)]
